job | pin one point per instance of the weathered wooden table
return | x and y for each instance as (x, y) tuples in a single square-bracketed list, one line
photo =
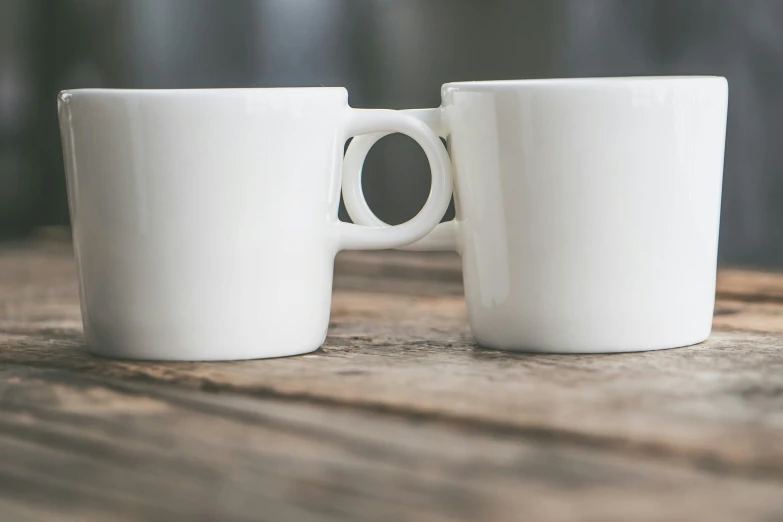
[(400, 416)]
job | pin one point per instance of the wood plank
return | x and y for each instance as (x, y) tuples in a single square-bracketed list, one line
[(746, 285), (79, 448), (760, 316), (718, 405)]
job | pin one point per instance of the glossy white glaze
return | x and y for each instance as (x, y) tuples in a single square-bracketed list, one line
[(205, 221), (587, 209)]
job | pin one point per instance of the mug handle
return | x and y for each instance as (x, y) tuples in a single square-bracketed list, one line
[(444, 235), (377, 234)]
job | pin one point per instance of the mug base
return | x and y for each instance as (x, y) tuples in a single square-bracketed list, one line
[(218, 356), (592, 349)]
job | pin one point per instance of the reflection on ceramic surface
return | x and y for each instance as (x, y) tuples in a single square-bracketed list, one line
[(588, 210), (205, 221), (480, 185)]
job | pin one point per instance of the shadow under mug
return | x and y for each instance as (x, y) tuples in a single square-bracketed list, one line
[(205, 221), (587, 209)]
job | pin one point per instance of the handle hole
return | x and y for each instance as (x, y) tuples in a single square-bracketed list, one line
[(396, 179)]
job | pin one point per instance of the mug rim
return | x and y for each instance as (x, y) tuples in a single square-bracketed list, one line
[(574, 82), (67, 93)]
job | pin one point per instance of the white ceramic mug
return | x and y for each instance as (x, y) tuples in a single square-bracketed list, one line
[(587, 209), (205, 221)]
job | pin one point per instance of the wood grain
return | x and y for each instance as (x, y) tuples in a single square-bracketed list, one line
[(80, 448), (538, 436), (750, 286)]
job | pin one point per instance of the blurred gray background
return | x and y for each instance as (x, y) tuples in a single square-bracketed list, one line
[(393, 54)]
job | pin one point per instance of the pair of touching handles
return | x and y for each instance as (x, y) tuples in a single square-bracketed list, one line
[(443, 237)]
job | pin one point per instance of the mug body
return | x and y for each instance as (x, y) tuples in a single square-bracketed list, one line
[(201, 218), (588, 209)]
